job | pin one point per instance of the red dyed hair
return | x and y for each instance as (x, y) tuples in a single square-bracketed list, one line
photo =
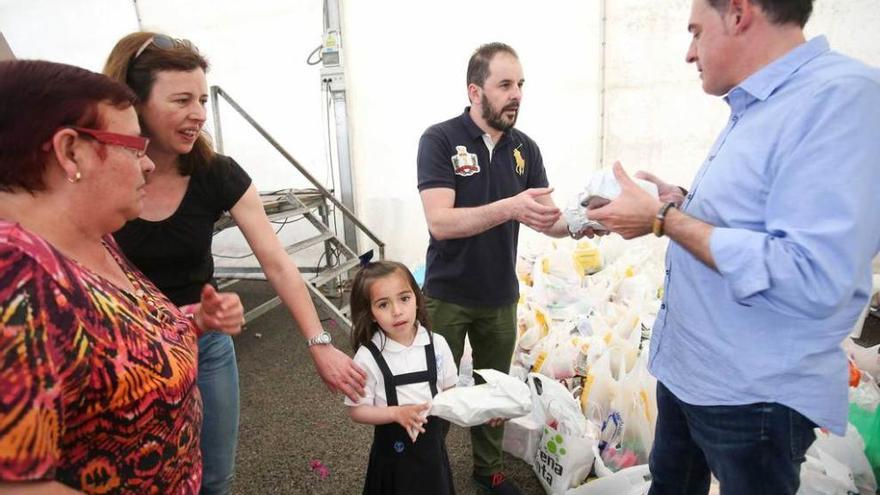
[(37, 98)]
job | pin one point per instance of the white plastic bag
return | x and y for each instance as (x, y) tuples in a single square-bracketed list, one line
[(823, 475), (866, 358), (849, 451), (867, 394), (521, 438), (635, 480), (502, 396), (601, 189), (466, 366), (563, 461), (598, 388), (560, 362), (636, 400), (554, 405)]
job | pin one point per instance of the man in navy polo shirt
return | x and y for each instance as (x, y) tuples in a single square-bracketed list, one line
[(479, 178)]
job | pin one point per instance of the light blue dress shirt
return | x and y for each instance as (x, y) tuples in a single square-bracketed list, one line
[(792, 186)]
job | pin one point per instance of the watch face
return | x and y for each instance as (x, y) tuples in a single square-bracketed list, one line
[(321, 338)]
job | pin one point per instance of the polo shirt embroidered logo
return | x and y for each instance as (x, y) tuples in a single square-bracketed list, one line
[(398, 447), (463, 163), (520, 161)]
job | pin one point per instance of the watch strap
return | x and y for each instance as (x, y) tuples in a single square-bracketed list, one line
[(321, 338), (660, 219)]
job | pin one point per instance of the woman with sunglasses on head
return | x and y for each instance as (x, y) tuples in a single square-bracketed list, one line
[(171, 241), (97, 383)]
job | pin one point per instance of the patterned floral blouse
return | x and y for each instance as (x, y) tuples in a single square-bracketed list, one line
[(97, 385)]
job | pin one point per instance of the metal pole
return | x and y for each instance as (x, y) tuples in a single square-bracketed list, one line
[(346, 182), (218, 134), (334, 71), (603, 83)]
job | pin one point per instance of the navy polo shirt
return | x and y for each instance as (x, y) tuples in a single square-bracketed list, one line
[(477, 270)]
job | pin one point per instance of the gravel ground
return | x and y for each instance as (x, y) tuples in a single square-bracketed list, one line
[(289, 418)]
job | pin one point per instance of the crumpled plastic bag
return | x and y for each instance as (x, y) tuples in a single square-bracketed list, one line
[(601, 190), (521, 438), (866, 358), (562, 461), (849, 451), (502, 396), (634, 480), (864, 414), (866, 395), (822, 475), (555, 406)]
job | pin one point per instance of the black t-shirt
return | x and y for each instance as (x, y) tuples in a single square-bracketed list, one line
[(477, 270), (175, 253)]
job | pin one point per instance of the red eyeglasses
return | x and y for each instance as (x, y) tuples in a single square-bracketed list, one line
[(138, 144)]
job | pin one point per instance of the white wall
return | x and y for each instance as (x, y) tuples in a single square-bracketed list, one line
[(406, 62), (658, 117), (79, 34), (257, 50)]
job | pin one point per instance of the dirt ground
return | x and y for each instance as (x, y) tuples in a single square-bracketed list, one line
[(288, 418)]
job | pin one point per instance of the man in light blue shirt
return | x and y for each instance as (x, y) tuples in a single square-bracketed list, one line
[(770, 259)]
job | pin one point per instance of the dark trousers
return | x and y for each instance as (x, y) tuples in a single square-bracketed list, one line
[(752, 449)]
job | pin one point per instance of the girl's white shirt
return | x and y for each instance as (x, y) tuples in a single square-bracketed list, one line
[(404, 359)]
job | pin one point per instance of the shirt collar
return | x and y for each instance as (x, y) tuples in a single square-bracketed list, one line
[(379, 339), (470, 126), (765, 81)]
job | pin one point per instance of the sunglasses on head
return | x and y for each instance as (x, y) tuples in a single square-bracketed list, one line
[(161, 41), (138, 144)]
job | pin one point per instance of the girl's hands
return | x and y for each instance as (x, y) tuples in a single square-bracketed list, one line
[(412, 417), (495, 422)]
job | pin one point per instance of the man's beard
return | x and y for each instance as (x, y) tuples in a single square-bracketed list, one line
[(495, 118)]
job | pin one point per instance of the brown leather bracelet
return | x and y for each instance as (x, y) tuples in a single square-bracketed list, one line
[(660, 219)]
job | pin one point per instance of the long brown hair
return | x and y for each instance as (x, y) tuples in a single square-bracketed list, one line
[(139, 71), (362, 325)]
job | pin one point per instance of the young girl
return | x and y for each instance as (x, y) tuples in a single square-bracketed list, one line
[(406, 366)]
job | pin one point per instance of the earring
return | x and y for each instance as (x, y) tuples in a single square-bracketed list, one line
[(76, 178)]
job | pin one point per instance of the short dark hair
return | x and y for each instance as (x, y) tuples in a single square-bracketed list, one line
[(139, 73), (478, 65), (778, 11), (37, 98)]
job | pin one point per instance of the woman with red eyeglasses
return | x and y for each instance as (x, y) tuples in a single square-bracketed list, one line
[(171, 241), (97, 382)]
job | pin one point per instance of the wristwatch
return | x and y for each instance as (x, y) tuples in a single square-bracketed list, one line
[(320, 339)]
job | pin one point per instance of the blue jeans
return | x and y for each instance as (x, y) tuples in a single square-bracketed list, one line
[(752, 449), (218, 384)]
